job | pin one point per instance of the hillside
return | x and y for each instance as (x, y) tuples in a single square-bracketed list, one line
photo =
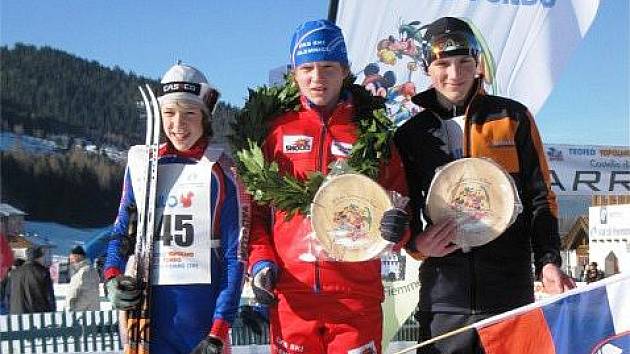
[(48, 91), (86, 112)]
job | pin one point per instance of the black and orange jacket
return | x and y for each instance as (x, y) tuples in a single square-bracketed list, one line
[(497, 276)]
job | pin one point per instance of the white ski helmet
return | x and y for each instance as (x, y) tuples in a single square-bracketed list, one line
[(183, 82)]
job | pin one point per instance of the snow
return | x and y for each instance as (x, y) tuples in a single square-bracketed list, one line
[(10, 141), (14, 142), (63, 236)]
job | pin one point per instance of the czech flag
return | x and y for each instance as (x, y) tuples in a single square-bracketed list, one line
[(594, 319)]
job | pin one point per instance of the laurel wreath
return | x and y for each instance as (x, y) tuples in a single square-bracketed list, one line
[(262, 178)]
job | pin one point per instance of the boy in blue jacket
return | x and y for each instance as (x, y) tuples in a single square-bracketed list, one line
[(197, 278)]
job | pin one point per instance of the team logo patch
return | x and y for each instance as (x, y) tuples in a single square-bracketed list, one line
[(339, 148), (297, 144), (502, 142)]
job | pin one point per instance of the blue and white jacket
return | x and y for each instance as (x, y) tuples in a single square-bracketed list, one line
[(227, 270)]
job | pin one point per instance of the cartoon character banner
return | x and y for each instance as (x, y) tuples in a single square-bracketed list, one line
[(525, 44)]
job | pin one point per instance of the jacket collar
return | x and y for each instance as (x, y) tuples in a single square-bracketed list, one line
[(345, 102), (80, 264), (195, 152), (428, 100)]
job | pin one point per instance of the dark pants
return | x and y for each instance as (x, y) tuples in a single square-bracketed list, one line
[(433, 324)]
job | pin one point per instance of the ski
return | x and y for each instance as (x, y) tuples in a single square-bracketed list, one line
[(138, 319)]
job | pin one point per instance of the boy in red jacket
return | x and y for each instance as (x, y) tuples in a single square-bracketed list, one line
[(319, 306)]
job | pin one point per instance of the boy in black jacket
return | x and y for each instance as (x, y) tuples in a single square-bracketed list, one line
[(460, 120)]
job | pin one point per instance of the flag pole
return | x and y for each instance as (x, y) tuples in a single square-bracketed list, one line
[(333, 7), (438, 338)]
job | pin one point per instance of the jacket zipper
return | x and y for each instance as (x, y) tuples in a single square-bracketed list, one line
[(322, 137), (467, 133), (317, 287), (471, 256), (473, 281)]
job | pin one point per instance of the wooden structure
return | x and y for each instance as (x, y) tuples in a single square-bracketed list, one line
[(11, 220)]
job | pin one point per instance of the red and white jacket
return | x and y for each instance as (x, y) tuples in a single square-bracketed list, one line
[(302, 142)]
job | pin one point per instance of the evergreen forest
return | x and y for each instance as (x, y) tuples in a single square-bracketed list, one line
[(46, 93)]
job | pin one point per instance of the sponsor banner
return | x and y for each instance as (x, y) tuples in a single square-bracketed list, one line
[(401, 282), (609, 237), (609, 221), (526, 44), (589, 169)]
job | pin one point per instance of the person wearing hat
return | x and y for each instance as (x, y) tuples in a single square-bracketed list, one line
[(31, 286), (318, 305), (83, 291), (460, 120), (197, 277)]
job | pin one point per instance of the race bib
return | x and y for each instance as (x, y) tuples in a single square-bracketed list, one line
[(183, 245)]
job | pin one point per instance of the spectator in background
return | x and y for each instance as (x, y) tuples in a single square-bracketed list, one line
[(31, 286), (4, 298), (593, 274), (96, 251), (584, 272), (83, 291), (5, 288), (99, 265)]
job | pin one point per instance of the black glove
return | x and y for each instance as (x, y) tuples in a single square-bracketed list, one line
[(123, 292), (209, 345), (393, 224), (264, 282), (255, 317)]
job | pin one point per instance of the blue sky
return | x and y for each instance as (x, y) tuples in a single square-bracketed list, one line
[(236, 43)]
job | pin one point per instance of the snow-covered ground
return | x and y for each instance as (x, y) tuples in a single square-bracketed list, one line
[(63, 236), (33, 145), (10, 141)]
